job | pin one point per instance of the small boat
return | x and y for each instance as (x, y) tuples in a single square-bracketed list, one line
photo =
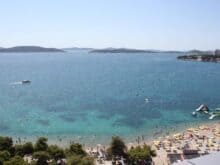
[(202, 108), (25, 81), (215, 113), (146, 100), (212, 116)]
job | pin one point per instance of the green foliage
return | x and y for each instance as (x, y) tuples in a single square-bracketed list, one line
[(17, 160), (5, 143), (117, 147), (4, 156), (55, 152), (87, 160), (53, 163), (28, 148), (19, 150), (139, 155), (41, 144), (79, 160), (76, 149), (42, 157)]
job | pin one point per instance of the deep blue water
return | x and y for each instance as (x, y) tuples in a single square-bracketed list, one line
[(82, 94)]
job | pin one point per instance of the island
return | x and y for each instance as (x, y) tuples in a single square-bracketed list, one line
[(204, 56), (29, 49), (126, 50), (117, 50)]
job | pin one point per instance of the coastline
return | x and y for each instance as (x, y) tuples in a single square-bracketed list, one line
[(203, 138), (145, 137)]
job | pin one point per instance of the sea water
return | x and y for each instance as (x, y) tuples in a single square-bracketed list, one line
[(95, 96)]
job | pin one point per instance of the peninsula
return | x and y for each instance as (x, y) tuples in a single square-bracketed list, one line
[(29, 49), (204, 56)]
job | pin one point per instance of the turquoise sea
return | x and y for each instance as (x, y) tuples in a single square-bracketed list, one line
[(83, 95)]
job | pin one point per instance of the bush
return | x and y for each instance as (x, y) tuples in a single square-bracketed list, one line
[(4, 156), (18, 150), (28, 148), (5, 143), (17, 160), (42, 157), (76, 149), (117, 147), (79, 160), (55, 152), (87, 160), (141, 155), (41, 144)]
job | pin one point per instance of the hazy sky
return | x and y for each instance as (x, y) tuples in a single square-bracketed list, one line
[(151, 24)]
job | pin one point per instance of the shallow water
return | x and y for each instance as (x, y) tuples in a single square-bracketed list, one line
[(84, 95)]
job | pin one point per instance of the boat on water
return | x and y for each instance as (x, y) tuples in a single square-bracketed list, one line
[(146, 100), (203, 108), (212, 117), (215, 113), (25, 81)]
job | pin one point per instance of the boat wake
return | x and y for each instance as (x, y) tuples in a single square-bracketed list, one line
[(21, 82), (16, 83)]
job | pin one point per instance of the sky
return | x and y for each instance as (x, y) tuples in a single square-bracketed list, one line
[(143, 24)]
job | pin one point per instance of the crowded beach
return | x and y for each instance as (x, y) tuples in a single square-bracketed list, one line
[(170, 147), (191, 143)]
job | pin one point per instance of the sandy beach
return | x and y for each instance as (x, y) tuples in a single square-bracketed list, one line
[(171, 145), (190, 143), (193, 142)]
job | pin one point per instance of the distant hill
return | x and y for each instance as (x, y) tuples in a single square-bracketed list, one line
[(119, 50), (29, 49), (125, 50), (78, 48)]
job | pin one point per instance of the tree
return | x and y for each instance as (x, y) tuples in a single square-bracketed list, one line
[(141, 155), (5, 143), (17, 160), (41, 144), (4, 156), (18, 150), (28, 148), (74, 160), (79, 160), (76, 149), (55, 152), (117, 147), (42, 157)]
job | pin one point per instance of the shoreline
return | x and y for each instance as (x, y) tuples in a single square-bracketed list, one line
[(200, 138), (94, 140)]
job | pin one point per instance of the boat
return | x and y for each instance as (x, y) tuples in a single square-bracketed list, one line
[(146, 100), (212, 116), (25, 81), (215, 113), (203, 108)]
